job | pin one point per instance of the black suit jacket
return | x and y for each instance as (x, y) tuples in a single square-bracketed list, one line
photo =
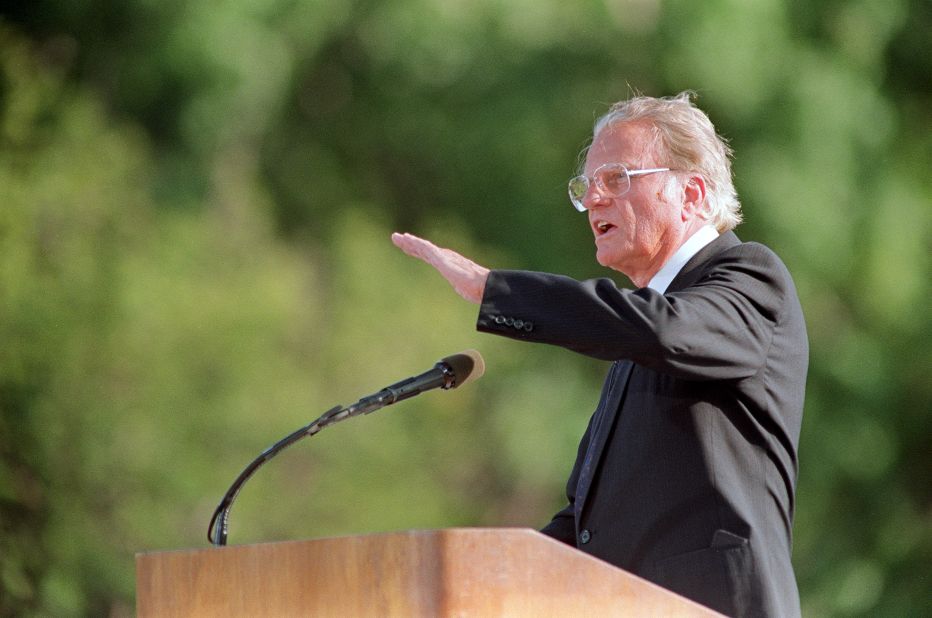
[(687, 471)]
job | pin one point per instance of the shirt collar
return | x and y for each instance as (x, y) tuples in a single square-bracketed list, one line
[(691, 247)]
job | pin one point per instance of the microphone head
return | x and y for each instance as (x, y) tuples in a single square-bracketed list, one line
[(466, 367)]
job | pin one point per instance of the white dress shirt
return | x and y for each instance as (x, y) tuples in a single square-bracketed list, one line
[(677, 261)]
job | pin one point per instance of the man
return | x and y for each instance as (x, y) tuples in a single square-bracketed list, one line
[(687, 471)]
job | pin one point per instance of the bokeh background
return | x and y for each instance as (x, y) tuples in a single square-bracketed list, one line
[(195, 207)]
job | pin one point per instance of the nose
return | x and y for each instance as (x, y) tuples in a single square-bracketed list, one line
[(594, 198)]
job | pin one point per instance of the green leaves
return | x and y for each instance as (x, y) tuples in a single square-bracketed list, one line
[(195, 208)]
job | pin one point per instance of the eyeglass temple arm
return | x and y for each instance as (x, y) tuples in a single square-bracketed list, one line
[(648, 171)]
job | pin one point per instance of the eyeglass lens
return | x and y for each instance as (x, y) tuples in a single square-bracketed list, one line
[(612, 179)]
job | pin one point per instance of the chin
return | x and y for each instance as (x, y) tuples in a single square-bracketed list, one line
[(600, 257), (607, 260), (604, 258)]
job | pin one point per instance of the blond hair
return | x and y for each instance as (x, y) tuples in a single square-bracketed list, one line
[(685, 140)]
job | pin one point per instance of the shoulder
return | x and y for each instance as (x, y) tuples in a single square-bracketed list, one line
[(752, 250), (752, 270), (749, 256)]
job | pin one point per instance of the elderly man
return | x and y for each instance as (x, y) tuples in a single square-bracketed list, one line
[(686, 473)]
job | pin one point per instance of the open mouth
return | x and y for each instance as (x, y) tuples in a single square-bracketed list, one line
[(603, 227)]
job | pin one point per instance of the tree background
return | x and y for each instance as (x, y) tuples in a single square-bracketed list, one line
[(195, 208)]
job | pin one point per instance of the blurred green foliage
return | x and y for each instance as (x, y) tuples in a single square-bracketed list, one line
[(195, 203)]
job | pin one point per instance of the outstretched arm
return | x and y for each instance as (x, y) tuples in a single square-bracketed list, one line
[(466, 277)]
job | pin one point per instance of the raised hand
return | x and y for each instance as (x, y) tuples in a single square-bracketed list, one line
[(466, 277)]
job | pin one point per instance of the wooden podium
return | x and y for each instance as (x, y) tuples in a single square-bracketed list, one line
[(453, 572)]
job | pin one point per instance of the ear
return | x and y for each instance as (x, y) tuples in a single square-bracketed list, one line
[(694, 198)]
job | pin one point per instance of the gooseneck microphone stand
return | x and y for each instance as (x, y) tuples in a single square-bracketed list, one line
[(449, 372), (219, 523)]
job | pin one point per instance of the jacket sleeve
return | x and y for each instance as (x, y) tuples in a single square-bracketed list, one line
[(720, 327)]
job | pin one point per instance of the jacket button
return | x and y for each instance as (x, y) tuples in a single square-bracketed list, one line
[(509, 321), (585, 536), (499, 319), (528, 326), (519, 324)]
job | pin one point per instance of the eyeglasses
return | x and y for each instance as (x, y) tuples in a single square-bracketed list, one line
[(611, 179)]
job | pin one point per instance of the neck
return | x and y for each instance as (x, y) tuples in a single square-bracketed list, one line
[(642, 277)]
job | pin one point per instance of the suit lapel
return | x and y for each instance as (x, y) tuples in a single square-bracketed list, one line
[(692, 270), (607, 413), (602, 424)]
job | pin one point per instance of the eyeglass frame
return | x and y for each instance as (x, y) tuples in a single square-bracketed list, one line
[(597, 178)]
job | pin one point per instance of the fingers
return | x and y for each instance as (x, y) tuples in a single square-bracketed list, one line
[(415, 247), (466, 277), (438, 257), (442, 259)]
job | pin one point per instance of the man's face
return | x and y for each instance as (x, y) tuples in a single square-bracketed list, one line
[(634, 233)]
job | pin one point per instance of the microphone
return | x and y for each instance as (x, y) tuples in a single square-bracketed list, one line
[(449, 372)]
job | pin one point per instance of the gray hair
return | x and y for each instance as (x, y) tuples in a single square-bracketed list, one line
[(685, 140)]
